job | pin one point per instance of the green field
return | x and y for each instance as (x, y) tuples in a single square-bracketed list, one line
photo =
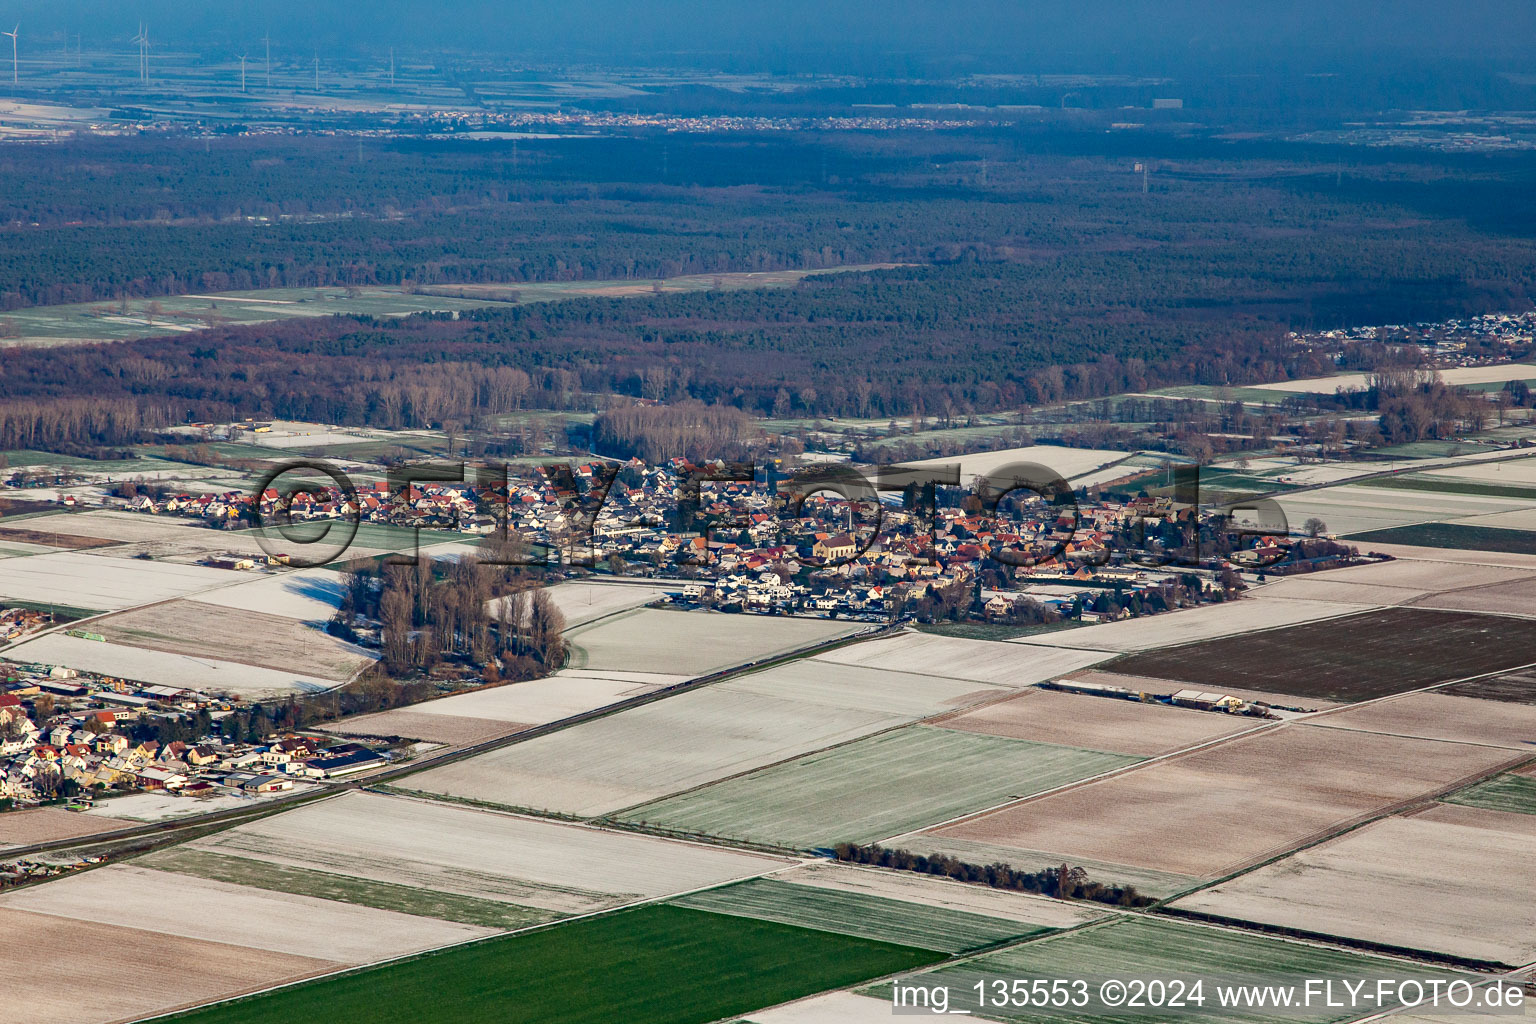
[(1223, 481), (875, 788), (853, 913), (1515, 793), (994, 630), (405, 899), (26, 458), (657, 965), (1146, 948), (1430, 449), (1451, 485), (381, 536), (1453, 535)]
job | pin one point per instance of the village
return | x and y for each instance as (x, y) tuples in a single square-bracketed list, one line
[(75, 739), (1028, 559)]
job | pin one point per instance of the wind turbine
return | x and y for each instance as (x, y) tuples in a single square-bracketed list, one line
[(391, 67), (140, 40), (12, 33), (317, 72), (242, 72), (268, 40)]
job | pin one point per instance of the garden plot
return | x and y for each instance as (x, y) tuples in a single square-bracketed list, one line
[(985, 661), (565, 869), (697, 737), (1367, 655), (1440, 716), (127, 896), (875, 788), (841, 912), (1140, 947), (693, 643), (582, 601), (83, 580), (198, 630), (133, 973), (48, 824), (1209, 812), (311, 595), (1444, 881), (181, 670), (1097, 723), (1065, 462), (1190, 624)]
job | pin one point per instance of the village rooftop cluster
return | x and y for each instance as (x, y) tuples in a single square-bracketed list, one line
[(71, 738), (744, 554)]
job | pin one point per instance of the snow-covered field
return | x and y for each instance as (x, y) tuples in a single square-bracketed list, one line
[(198, 908), (501, 857), (83, 580), (1065, 462), (1456, 375), (164, 668)]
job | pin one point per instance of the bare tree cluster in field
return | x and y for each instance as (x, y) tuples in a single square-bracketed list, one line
[(462, 609), (658, 433)]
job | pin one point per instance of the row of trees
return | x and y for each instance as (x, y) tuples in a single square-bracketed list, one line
[(1063, 882)]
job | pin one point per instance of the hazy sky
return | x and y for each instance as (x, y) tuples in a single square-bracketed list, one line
[(1076, 31)]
